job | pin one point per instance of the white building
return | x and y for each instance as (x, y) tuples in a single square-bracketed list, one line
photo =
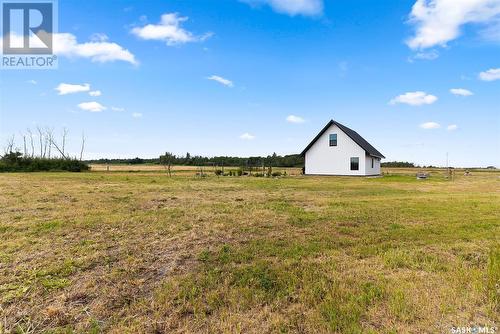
[(338, 150)]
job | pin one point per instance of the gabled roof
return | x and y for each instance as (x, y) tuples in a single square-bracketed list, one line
[(369, 149)]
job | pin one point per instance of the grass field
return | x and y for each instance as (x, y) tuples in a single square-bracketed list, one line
[(141, 252)]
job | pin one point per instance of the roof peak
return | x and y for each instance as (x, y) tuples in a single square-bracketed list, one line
[(352, 134)]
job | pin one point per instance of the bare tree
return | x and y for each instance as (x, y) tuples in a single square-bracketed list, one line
[(40, 138), (53, 143), (46, 140), (83, 146), (32, 142), (45, 144), (10, 145), (25, 148), (64, 135), (49, 138)]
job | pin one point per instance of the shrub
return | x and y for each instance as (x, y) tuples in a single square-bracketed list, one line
[(136, 161), (15, 162), (398, 164)]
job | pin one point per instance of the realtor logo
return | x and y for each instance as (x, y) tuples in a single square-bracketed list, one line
[(28, 29)]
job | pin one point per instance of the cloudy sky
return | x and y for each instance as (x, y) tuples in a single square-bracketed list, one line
[(417, 79)]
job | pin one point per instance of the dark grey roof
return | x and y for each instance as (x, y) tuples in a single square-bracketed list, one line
[(369, 149)]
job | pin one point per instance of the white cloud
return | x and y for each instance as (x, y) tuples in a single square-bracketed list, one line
[(97, 50), (136, 115), (117, 109), (492, 32), (99, 37), (295, 119), (461, 92), (452, 127), (414, 99), (490, 75), (426, 55), (430, 125), (221, 80), (169, 30), (247, 136), (439, 21), (92, 106), (65, 88), (291, 7), (33, 82), (95, 93)]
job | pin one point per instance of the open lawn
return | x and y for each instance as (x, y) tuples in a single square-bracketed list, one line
[(141, 252)]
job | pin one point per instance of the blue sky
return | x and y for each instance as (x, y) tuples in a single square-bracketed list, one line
[(223, 77)]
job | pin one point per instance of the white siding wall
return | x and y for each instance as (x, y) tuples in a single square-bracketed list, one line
[(376, 165), (323, 159)]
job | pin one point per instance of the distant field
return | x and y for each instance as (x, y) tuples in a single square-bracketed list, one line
[(143, 252), (178, 170)]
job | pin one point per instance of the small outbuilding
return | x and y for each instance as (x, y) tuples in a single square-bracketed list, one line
[(338, 150)]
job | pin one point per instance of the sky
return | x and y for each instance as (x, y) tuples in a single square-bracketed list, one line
[(420, 80)]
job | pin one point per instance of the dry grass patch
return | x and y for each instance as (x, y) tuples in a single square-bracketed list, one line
[(142, 252)]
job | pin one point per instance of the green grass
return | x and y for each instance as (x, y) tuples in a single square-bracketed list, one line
[(142, 252)]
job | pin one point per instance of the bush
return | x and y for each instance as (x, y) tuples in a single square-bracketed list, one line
[(15, 162), (402, 164), (136, 161)]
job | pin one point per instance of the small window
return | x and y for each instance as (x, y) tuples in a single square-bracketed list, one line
[(354, 163), (333, 139), (372, 162)]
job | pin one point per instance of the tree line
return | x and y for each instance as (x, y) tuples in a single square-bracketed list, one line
[(274, 160), (402, 164)]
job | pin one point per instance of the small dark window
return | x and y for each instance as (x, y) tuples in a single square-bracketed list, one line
[(354, 163), (372, 162), (333, 139)]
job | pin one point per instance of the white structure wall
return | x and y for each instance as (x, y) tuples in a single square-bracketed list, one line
[(323, 159), (369, 170)]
